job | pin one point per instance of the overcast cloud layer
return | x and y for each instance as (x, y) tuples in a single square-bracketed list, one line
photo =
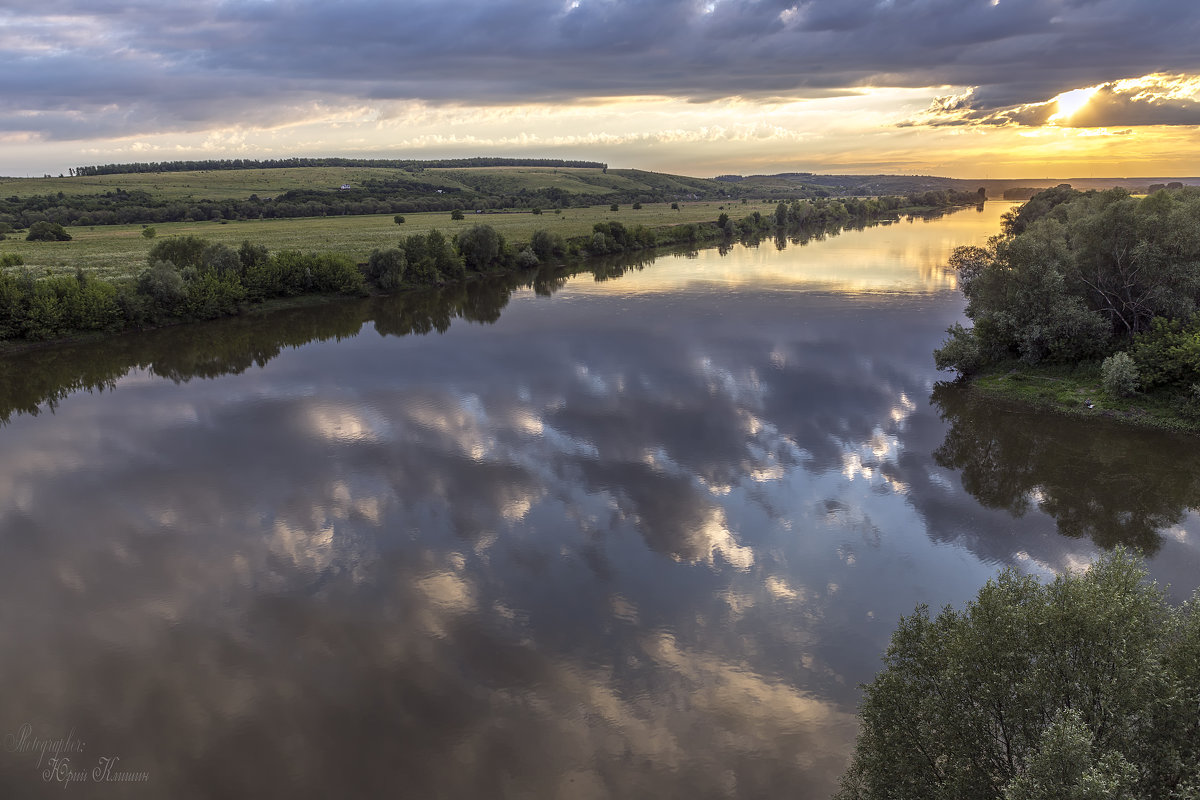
[(105, 68)]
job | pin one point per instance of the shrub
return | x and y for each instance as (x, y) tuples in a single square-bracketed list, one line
[(149, 233), (385, 268), (527, 259), (1119, 375), (961, 352), (546, 245), (252, 255), (481, 247), (182, 251), (1187, 405), (212, 294), (221, 259), (11, 260), (88, 304), (1169, 353), (456, 214), (47, 232), (614, 207), (398, 219), (163, 287)]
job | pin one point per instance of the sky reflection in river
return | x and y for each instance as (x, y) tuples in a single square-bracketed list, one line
[(625, 542)]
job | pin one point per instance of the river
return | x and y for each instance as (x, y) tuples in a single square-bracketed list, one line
[(639, 533)]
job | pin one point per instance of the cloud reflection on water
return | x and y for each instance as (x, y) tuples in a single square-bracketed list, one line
[(609, 545)]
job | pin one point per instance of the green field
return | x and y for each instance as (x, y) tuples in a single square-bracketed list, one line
[(120, 250), (240, 184)]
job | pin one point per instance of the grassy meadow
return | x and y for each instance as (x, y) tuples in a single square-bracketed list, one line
[(240, 184), (111, 251)]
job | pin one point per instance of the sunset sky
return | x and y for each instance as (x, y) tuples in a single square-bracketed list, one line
[(965, 88)]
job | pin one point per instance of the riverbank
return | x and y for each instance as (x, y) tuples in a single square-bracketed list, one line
[(192, 278), (1076, 391)]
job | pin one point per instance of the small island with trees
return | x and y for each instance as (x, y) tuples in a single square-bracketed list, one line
[(1087, 303)]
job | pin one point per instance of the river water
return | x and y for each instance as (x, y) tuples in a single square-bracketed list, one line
[(639, 533)]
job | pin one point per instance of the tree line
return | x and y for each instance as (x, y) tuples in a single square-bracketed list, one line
[(410, 165), (125, 207), (189, 278), (391, 196)]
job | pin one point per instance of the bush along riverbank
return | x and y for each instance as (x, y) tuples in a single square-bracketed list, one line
[(1087, 304), (187, 278)]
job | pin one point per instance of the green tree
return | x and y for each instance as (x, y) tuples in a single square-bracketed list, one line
[(481, 247), (47, 232), (1085, 687), (182, 251), (456, 214), (385, 268)]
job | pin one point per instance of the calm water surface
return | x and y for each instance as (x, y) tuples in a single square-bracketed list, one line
[(634, 537)]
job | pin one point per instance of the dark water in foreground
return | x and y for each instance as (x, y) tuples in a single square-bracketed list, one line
[(640, 538)]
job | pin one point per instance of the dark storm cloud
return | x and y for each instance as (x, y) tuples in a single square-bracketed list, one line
[(77, 69)]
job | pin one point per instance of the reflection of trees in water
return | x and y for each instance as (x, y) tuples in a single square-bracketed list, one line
[(1111, 483), (36, 380)]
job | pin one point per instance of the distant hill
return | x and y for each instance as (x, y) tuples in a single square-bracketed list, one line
[(907, 184), (239, 189)]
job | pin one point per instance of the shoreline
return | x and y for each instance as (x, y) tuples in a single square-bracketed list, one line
[(754, 227), (1075, 392)]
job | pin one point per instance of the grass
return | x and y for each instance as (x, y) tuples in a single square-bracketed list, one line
[(240, 184), (111, 251), (1077, 391)]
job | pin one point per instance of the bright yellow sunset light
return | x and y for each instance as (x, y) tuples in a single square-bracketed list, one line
[(1071, 102)]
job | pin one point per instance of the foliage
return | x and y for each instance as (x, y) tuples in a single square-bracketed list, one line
[(291, 163), (44, 231), (432, 259), (164, 285), (220, 258), (526, 259), (1037, 207), (398, 219), (385, 268), (1120, 375), (961, 351), (251, 255), (1169, 353), (1075, 275), (546, 245), (149, 232), (182, 251), (11, 260), (456, 214), (1083, 687), (481, 247)]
